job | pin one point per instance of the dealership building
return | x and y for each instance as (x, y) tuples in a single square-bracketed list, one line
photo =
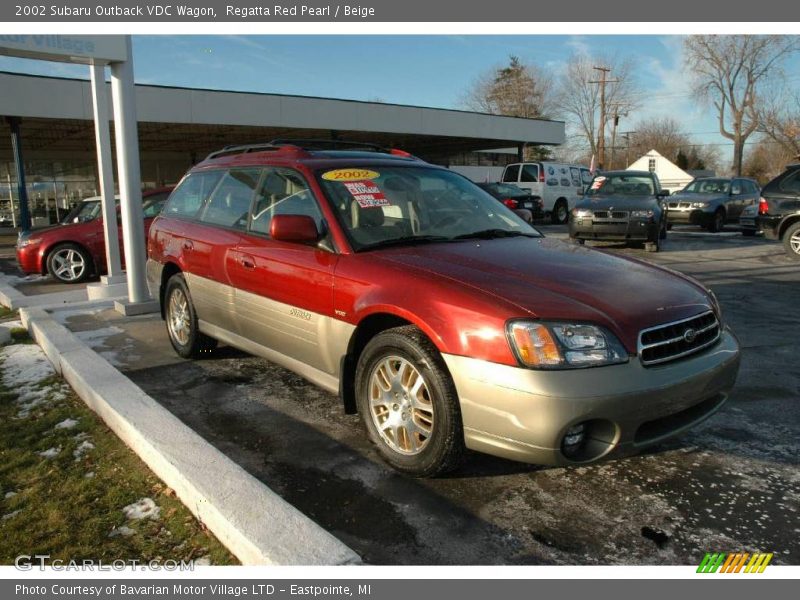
[(179, 126)]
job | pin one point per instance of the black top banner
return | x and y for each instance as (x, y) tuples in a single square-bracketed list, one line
[(461, 11)]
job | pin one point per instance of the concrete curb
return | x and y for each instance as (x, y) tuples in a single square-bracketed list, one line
[(12, 298), (253, 522)]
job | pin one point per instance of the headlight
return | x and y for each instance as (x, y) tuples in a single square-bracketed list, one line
[(22, 242), (564, 345), (698, 205), (715, 304), (642, 214), (580, 213)]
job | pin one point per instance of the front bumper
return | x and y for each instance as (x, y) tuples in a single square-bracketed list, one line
[(30, 260), (523, 414), (635, 230), (689, 216)]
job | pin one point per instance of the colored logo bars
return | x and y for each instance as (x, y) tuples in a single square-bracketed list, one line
[(734, 563)]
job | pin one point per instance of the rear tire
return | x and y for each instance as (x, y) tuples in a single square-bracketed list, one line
[(717, 221), (560, 213), (408, 403), (791, 241), (181, 318)]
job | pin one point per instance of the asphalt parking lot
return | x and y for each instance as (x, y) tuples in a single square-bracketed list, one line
[(731, 484)]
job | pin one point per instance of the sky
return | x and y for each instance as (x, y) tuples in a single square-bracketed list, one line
[(431, 71)]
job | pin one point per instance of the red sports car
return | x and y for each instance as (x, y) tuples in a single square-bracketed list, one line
[(75, 250)]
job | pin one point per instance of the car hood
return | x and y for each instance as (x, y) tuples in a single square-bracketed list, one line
[(557, 280), (695, 197), (619, 202)]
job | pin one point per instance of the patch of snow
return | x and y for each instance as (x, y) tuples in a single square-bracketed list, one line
[(203, 561), (142, 509), (123, 531), (22, 368), (82, 449), (10, 495), (50, 452), (89, 475), (11, 515), (66, 424), (15, 324)]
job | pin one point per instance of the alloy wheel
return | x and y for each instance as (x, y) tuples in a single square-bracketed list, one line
[(69, 264), (178, 317), (400, 404), (794, 242)]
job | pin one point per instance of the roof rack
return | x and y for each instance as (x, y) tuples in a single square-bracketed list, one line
[(322, 144), (303, 146)]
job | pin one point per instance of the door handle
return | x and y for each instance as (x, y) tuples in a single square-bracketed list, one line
[(187, 245), (248, 264)]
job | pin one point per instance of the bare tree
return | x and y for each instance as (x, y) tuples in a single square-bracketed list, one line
[(516, 90), (579, 97), (666, 136), (779, 120), (730, 72), (765, 159)]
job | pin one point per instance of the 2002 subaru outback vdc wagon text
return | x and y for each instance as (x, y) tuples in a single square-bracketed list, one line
[(432, 309)]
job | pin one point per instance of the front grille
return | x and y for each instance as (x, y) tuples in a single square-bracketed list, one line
[(678, 339), (604, 214), (673, 205)]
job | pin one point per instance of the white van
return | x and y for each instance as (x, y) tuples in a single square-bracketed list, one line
[(559, 185)]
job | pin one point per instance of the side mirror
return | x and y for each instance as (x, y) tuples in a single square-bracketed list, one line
[(294, 228), (662, 194)]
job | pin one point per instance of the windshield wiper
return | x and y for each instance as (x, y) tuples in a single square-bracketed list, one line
[(408, 240), (490, 234)]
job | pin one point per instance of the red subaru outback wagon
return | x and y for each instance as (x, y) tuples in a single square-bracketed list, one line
[(434, 311)]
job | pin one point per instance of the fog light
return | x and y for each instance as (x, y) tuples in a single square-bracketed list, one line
[(573, 440)]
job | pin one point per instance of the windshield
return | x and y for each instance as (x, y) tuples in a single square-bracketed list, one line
[(84, 212), (709, 186), (621, 184), (380, 206)]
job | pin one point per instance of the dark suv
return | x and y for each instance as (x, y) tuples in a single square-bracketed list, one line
[(432, 309), (782, 218)]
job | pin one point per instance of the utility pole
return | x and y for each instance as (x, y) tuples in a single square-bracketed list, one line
[(614, 125), (601, 134), (627, 135)]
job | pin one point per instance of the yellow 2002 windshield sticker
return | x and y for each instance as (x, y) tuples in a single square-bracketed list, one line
[(350, 175)]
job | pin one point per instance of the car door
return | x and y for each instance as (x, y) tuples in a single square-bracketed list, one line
[(735, 204), (284, 290)]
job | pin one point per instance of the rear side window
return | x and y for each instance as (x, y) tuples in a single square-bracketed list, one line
[(530, 173), (788, 183), (282, 192), (190, 195), (229, 205), (511, 174)]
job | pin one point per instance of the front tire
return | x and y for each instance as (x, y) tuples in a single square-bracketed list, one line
[(70, 263), (791, 241), (560, 212), (408, 403), (181, 318)]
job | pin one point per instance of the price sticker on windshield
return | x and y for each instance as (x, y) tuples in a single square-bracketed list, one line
[(366, 193), (350, 175)]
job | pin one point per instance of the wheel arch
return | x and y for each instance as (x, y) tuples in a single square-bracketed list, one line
[(786, 223), (168, 270)]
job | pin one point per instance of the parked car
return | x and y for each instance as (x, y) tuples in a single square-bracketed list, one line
[(75, 250), (781, 217), (433, 310), (711, 202), (517, 199), (559, 185), (624, 206), (749, 217)]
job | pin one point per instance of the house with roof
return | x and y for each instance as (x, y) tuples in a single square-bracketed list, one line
[(671, 176)]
